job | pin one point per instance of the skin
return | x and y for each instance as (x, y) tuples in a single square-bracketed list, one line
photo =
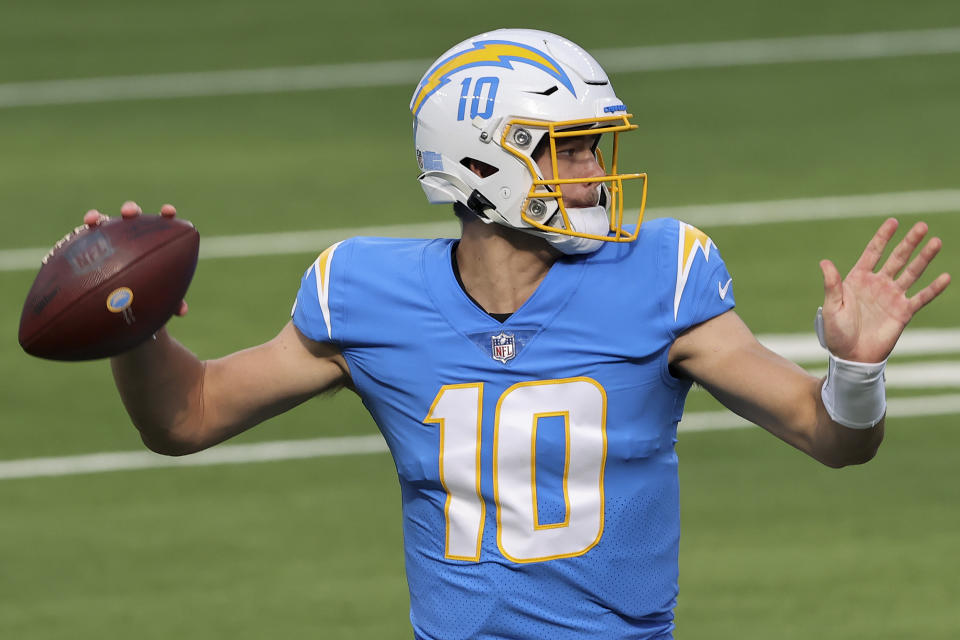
[(181, 404), (502, 267)]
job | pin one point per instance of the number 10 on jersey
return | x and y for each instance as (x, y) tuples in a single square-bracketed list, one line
[(458, 410)]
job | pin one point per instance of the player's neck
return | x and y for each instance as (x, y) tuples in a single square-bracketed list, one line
[(499, 267)]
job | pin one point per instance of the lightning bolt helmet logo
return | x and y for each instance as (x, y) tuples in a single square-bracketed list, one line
[(487, 53)]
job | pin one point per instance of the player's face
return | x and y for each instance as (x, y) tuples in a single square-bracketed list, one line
[(576, 158)]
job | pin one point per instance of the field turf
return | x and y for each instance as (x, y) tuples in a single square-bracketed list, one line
[(774, 546)]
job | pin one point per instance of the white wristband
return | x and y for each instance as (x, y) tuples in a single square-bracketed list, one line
[(854, 394)]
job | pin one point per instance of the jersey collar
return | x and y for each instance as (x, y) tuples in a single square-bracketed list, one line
[(465, 316)]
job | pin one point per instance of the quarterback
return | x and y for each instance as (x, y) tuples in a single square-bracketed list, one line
[(529, 376)]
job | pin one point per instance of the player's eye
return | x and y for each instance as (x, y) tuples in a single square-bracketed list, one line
[(568, 149), (573, 147)]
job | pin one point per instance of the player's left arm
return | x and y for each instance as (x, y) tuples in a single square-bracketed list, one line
[(863, 316)]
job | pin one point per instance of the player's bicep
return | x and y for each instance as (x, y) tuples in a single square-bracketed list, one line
[(723, 356), (250, 386)]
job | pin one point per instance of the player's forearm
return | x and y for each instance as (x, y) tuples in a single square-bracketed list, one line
[(800, 418), (161, 385), (837, 445), (781, 397)]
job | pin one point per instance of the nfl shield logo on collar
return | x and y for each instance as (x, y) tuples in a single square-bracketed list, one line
[(503, 347)]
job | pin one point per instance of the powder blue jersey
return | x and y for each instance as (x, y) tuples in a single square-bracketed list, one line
[(536, 456)]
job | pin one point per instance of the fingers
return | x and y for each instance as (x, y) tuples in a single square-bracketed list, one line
[(832, 286), (93, 217), (130, 209), (182, 311), (928, 293), (874, 251), (919, 264), (904, 249)]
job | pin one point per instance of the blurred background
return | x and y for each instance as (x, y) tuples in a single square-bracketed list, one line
[(257, 118)]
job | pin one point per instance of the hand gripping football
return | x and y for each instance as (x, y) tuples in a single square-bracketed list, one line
[(107, 288)]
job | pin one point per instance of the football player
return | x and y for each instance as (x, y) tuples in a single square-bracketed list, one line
[(529, 376)]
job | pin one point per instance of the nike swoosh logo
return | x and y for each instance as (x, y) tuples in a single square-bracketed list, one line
[(724, 288)]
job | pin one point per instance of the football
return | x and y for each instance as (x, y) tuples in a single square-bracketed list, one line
[(104, 289)]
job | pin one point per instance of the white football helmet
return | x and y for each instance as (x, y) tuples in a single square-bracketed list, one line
[(489, 101)]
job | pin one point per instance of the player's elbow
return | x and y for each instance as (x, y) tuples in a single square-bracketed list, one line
[(861, 457), (169, 445), (846, 461), (851, 456)]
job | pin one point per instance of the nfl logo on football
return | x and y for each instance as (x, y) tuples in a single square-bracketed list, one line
[(503, 347)]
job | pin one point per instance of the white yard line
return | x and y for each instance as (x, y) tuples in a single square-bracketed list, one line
[(921, 375), (706, 216), (804, 348), (355, 445), (859, 46), (941, 374), (806, 209), (224, 454), (919, 406), (912, 375)]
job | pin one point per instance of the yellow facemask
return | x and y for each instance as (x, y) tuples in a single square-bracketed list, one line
[(542, 189)]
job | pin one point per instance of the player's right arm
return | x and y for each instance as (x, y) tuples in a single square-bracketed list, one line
[(181, 404)]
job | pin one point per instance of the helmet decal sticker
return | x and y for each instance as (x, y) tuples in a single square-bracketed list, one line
[(491, 84), (488, 53), (429, 160)]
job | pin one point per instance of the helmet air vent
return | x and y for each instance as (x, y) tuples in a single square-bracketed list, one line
[(546, 92), (479, 167)]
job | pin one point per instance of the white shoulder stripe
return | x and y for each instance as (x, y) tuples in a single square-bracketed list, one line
[(321, 269), (691, 241)]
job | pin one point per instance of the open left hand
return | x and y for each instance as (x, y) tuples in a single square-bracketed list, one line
[(865, 313)]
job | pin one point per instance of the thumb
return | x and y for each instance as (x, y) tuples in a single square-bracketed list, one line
[(832, 286)]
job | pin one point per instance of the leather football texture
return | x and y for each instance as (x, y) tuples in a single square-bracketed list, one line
[(104, 289)]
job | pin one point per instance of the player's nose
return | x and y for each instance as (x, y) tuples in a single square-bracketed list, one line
[(590, 168)]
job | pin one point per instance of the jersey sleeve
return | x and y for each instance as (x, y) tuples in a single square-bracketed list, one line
[(315, 311), (703, 287)]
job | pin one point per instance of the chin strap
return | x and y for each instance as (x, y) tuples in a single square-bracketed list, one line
[(592, 220), (854, 393)]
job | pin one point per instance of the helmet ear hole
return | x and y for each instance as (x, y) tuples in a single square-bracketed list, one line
[(479, 167)]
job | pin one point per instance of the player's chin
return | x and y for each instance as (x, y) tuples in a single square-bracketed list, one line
[(581, 203)]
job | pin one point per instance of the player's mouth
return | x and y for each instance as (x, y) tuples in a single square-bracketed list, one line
[(585, 199)]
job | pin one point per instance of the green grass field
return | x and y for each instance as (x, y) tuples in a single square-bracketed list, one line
[(774, 546)]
